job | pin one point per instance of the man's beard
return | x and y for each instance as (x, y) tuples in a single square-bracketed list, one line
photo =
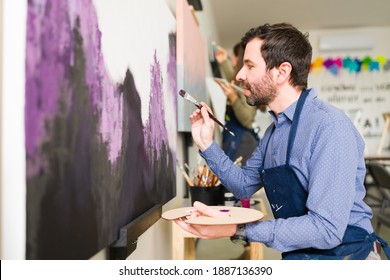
[(262, 93)]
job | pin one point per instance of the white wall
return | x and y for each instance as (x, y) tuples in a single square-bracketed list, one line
[(367, 91), (12, 152), (1, 108), (381, 36)]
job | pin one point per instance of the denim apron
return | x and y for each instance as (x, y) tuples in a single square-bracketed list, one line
[(231, 144), (287, 198)]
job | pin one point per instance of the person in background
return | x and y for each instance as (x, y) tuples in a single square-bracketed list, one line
[(239, 116), (310, 159), (229, 67)]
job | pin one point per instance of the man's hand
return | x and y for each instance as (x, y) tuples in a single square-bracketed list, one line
[(207, 231), (202, 127)]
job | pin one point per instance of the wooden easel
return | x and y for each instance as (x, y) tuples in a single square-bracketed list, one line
[(385, 132)]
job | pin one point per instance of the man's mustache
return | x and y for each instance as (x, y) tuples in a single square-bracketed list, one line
[(246, 85)]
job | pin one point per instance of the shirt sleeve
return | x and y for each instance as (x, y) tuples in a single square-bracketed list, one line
[(331, 192)]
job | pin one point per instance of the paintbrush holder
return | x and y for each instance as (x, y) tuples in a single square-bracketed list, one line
[(208, 195)]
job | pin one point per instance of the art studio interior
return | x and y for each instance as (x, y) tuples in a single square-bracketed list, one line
[(95, 130)]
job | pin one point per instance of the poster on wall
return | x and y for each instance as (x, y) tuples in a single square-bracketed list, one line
[(361, 88), (100, 121), (191, 63)]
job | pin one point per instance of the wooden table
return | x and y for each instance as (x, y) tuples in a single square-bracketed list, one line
[(183, 243)]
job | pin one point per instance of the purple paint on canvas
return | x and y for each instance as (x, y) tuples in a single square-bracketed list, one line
[(172, 70), (155, 133), (87, 162), (109, 103), (49, 52)]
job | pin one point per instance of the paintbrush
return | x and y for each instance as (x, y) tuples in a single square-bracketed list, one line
[(190, 170), (189, 181), (189, 98)]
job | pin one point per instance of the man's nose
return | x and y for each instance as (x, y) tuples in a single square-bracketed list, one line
[(241, 75)]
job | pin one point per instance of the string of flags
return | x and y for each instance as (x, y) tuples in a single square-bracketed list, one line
[(352, 65)]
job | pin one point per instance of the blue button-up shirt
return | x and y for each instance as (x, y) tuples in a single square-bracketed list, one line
[(328, 159)]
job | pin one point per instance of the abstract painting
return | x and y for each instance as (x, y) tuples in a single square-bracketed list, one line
[(100, 121), (191, 62)]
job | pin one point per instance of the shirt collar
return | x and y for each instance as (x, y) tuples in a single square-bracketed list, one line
[(290, 110)]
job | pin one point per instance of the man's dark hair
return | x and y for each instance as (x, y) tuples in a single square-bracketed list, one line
[(282, 42)]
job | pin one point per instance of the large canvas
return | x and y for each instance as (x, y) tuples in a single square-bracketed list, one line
[(100, 119), (191, 62)]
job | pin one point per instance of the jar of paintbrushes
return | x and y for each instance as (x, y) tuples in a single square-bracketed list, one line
[(204, 185)]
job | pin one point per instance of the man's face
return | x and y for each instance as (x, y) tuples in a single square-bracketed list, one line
[(259, 87)]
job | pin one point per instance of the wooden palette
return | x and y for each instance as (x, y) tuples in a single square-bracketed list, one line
[(234, 215)]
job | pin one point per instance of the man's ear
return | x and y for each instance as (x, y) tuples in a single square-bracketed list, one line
[(283, 73)]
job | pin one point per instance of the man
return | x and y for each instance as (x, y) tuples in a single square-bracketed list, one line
[(310, 160)]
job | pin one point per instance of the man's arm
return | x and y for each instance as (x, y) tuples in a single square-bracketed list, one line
[(241, 181)]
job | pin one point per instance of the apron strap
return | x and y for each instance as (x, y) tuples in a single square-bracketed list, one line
[(266, 146), (293, 129), (294, 126)]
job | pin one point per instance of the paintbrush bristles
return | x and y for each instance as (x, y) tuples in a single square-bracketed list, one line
[(189, 98), (182, 93)]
